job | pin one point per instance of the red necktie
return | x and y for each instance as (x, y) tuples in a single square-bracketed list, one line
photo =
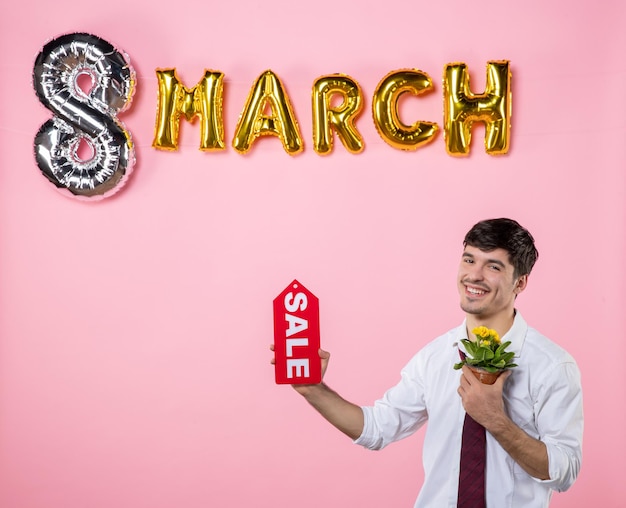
[(472, 472), (472, 475)]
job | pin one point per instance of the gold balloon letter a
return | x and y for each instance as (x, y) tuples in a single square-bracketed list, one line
[(267, 112), (204, 100), (462, 108)]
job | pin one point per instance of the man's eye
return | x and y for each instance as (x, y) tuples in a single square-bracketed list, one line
[(495, 267)]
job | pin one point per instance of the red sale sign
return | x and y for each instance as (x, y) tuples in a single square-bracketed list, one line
[(297, 336)]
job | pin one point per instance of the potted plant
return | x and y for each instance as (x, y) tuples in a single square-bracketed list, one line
[(486, 356)]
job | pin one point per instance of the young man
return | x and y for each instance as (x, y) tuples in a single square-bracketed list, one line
[(532, 414)]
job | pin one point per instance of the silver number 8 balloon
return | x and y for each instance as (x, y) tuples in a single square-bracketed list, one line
[(84, 149)]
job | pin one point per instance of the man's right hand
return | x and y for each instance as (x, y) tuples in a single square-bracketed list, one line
[(303, 389)]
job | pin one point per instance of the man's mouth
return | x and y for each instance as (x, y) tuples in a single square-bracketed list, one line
[(474, 291)]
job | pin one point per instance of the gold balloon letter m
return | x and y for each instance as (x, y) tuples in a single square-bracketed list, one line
[(462, 108), (204, 101)]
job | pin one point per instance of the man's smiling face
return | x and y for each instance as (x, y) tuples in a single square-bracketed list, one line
[(487, 285)]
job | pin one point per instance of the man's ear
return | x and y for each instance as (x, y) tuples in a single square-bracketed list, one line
[(521, 284)]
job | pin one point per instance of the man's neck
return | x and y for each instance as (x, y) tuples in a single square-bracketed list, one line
[(501, 323)]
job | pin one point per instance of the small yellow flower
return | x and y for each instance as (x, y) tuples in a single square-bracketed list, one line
[(481, 331), (486, 343), (487, 334)]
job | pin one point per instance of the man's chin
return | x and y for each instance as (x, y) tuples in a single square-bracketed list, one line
[(472, 309)]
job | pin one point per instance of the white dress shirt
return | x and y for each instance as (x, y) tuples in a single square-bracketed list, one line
[(543, 396)]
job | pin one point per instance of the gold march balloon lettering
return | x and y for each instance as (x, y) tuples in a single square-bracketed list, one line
[(268, 111)]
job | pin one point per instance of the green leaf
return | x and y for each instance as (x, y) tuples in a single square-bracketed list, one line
[(489, 354), (479, 355), (470, 347), (503, 346)]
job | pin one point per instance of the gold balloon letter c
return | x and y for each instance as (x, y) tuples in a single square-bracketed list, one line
[(385, 110)]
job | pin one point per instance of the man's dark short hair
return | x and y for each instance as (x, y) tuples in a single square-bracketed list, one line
[(507, 234)]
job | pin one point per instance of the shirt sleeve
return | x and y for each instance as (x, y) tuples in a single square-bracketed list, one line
[(559, 414), (398, 414)]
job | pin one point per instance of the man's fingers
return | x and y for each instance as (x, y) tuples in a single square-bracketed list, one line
[(502, 378)]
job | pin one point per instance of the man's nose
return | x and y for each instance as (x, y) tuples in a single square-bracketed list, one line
[(475, 272)]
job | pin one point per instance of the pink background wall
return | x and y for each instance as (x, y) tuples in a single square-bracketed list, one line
[(134, 332)]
